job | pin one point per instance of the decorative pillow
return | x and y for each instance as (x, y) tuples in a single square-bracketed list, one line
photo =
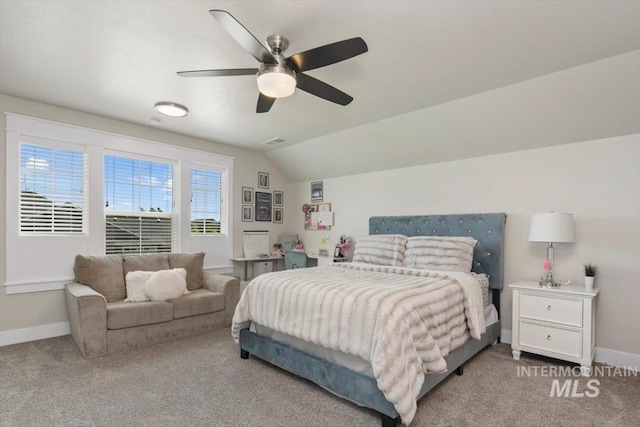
[(135, 285), (166, 284), (102, 273), (483, 279), (440, 253), (136, 281), (382, 249), (193, 264)]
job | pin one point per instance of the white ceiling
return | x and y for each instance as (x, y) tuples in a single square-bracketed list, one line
[(118, 58)]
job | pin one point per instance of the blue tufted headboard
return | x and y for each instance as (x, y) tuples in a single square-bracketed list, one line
[(487, 229)]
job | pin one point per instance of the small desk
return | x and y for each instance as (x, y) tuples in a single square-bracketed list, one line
[(248, 260)]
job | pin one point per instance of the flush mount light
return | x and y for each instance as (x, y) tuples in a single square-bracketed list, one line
[(171, 109)]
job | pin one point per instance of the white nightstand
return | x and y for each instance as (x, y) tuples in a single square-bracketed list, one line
[(554, 322)]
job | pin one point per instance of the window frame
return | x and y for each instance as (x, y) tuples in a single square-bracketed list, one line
[(224, 204), (54, 145), (174, 217)]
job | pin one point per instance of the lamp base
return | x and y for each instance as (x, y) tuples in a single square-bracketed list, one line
[(549, 283)]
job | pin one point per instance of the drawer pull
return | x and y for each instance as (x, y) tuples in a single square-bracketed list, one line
[(549, 337), (548, 307)]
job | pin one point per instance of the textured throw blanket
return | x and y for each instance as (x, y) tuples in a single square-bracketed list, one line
[(404, 321)]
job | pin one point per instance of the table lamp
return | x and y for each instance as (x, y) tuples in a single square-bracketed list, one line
[(551, 227)]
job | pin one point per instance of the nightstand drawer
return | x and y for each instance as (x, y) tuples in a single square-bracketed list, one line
[(558, 310), (562, 341)]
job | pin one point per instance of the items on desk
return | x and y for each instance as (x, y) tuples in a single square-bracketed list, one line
[(277, 249)]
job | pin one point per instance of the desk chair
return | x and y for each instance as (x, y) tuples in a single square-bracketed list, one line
[(295, 259)]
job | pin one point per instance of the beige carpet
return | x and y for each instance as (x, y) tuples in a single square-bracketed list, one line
[(202, 381)]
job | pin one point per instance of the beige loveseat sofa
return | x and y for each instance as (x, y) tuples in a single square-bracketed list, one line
[(103, 323)]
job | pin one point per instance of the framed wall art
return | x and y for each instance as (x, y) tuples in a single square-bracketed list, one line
[(263, 206), (247, 213), (278, 198), (316, 191), (247, 195), (263, 180), (277, 215)]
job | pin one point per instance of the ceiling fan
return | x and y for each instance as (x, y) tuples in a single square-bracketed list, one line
[(279, 76)]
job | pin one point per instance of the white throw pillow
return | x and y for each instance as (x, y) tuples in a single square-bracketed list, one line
[(381, 249), (166, 284), (135, 281), (135, 285), (440, 253)]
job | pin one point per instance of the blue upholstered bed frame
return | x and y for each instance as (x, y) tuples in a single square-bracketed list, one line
[(487, 229)]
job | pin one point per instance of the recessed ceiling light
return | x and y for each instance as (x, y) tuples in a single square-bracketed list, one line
[(171, 109)]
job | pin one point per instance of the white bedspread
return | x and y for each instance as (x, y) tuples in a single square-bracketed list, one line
[(404, 321)]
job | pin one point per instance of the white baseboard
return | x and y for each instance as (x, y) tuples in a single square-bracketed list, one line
[(618, 358), (34, 333), (603, 355)]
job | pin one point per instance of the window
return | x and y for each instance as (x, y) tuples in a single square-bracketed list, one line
[(52, 196), (74, 190), (207, 188), (138, 205)]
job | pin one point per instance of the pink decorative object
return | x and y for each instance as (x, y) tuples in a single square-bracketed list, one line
[(344, 244), (546, 266)]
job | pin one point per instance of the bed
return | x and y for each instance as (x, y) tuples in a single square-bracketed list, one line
[(340, 369)]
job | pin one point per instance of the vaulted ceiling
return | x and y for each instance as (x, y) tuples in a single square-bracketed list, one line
[(117, 59)]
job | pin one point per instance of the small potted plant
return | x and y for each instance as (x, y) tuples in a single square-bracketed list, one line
[(590, 271), (277, 249)]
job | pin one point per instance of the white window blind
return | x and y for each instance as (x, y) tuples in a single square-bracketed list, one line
[(208, 191), (52, 197), (138, 234), (138, 205)]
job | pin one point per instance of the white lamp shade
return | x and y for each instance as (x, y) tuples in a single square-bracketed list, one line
[(552, 227)]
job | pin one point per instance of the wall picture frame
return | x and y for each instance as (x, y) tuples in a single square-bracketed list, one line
[(278, 198), (263, 206), (263, 180), (247, 195), (277, 215), (247, 214), (316, 191)]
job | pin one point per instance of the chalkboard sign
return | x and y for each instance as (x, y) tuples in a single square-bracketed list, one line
[(263, 207)]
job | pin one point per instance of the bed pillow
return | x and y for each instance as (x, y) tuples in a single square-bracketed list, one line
[(381, 249), (440, 253), (166, 284)]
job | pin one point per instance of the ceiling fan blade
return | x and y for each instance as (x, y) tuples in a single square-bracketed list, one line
[(264, 103), (219, 73), (322, 90), (328, 54), (244, 38)]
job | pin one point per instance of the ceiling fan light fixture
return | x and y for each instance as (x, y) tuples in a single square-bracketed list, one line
[(276, 81), (171, 109)]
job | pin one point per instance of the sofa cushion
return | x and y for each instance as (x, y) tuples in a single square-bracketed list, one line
[(145, 262), (166, 284), (103, 273), (122, 314), (199, 301), (193, 263)]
